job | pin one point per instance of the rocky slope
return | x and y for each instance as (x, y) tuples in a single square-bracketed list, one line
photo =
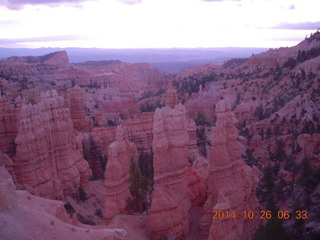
[(274, 96), (40, 218)]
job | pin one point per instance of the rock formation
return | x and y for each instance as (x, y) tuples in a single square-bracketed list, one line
[(75, 101), (231, 183), (56, 58), (8, 128), (7, 162), (104, 137), (139, 131), (46, 156), (117, 175), (171, 198), (170, 96), (8, 198), (192, 131)]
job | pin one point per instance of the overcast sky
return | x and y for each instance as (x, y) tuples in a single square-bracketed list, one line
[(156, 23)]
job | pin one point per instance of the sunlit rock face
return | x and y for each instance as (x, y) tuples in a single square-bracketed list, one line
[(46, 157), (120, 152), (176, 185), (231, 184)]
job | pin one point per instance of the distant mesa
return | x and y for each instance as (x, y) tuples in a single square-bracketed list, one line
[(55, 58)]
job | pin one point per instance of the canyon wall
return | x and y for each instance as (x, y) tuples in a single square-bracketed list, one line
[(8, 128), (46, 157), (139, 131), (74, 100)]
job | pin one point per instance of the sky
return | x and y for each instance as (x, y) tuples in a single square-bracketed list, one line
[(156, 23)]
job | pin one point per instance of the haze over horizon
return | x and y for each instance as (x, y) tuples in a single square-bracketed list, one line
[(156, 24)]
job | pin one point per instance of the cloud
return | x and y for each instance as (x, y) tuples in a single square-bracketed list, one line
[(298, 26), (292, 7), (219, 0), (131, 2), (39, 39), (18, 4)]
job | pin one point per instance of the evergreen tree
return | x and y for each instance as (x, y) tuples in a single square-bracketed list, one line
[(138, 185)]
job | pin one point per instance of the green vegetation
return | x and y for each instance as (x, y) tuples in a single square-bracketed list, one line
[(138, 186), (302, 57), (234, 63), (149, 94), (93, 153), (82, 194), (249, 158), (149, 107), (11, 151), (266, 192), (200, 119), (202, 140)]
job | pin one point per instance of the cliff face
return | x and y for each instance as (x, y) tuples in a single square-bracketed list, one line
[(8, 128), (46, 156), (172, 197), (231, 183), (104, 137), (139, 131), (117, 175), (75, 102)]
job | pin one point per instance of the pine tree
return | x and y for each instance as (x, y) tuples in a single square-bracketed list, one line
[(138, 185)]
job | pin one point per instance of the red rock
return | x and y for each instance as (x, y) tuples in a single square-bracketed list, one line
[(57, 58), (7, 162), (231, 183), (8, 198), (8, 128), (172, 197), (104, 137), (117, 175), (74, 100), (139, 131), (170, 96), (46, 156)]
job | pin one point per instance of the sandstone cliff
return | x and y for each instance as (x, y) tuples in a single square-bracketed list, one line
[(46, 156)]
